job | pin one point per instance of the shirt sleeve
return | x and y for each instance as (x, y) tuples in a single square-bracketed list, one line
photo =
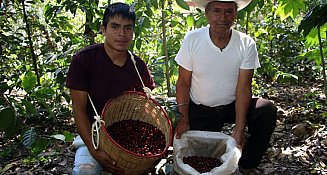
[(77, 75), (251, 59), (183, 57)]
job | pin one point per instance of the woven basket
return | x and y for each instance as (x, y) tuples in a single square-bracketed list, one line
[(136, 106)]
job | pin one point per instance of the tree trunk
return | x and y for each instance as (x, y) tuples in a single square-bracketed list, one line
[(322, 62), (31, 45), (165, 47)]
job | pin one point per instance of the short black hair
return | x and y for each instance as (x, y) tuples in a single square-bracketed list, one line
[(121, 9)]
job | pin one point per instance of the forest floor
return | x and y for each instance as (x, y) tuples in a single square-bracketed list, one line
[(298, 145)]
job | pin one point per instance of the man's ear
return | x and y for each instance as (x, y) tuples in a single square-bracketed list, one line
[(103, 29)]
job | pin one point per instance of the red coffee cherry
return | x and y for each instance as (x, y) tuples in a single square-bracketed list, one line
[(138, 137), (201, 163)]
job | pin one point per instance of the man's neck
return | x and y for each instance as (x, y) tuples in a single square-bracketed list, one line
[(221, 40), (118, 57)]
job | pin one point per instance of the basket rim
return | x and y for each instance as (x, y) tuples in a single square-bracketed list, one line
[(126, 150)]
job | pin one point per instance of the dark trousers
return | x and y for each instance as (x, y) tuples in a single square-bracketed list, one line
[(261, 122)]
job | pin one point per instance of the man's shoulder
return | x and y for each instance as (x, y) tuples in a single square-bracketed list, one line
[(197, 32), (89, 49), (242, 35), (138, 59)]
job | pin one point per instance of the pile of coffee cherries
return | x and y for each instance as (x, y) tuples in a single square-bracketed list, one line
[(201, 163), (138, 137)]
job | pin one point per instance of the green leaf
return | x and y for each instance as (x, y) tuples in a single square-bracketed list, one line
[(199, 22), (289, 8), (146, 22), (190, 20), (138, 44), (312, 38), (183, 4), (155, 4), (39, 145), (44, 92), (8, 121), (149, 12), (174, 23), (261, 3), (30, 108), (29, 137), (314, 18), (29, 81), (4, 87), (68, 136)]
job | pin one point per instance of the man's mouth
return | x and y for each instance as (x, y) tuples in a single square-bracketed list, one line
[(121, 42)]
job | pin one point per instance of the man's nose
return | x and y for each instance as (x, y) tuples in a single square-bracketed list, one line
[(122, 32), (223, 16)]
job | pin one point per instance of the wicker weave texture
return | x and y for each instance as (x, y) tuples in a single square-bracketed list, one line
[(136, 106)]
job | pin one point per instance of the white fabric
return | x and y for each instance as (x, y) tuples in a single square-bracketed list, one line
[(215, 72), (216, 144), (203, 3)]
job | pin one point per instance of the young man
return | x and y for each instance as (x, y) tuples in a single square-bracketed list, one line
[(216, 65), (103, 71)]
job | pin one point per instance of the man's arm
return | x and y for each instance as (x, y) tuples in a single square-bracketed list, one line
[(243, 99), (183, 97), (79, 99)]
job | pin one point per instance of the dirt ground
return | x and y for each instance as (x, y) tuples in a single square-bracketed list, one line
[(298, 145)]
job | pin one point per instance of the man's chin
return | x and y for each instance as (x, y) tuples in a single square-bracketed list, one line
[(121, 48)]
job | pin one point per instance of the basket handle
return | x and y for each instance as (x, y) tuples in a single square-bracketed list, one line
[(145, 89), (96, 126)]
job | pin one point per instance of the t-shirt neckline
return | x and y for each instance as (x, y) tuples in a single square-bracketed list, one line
[(230, 43)]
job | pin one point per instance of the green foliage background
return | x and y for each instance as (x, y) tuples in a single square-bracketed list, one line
[(38, 39)]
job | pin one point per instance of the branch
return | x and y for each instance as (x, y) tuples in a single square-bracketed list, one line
[(31, 44)]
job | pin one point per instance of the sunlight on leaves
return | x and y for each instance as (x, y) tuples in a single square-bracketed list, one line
[(289, 8), (29, 81), (312, 37), (183, 4), (190, 20)]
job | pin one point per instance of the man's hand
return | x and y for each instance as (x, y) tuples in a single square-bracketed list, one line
[(239, 139), (106, 162), (182, 127)]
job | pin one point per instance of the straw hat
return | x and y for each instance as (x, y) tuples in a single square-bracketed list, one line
[(202, 3)]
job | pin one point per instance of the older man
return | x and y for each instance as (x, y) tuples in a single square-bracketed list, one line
[(216, 66)]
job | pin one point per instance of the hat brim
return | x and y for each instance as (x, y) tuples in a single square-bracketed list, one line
[(241, 4)]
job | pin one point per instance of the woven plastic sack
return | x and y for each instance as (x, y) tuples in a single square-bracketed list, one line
[(208, 144)]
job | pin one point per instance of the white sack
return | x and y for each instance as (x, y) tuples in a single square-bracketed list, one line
[(208, 144)]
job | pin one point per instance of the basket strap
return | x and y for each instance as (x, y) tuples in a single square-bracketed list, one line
[(95, 126), (145, 89)]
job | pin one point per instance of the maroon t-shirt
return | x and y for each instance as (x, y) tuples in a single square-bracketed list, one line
[(93, 71)]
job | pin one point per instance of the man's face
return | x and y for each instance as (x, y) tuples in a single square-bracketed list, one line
[(221, 15), (118, 33)]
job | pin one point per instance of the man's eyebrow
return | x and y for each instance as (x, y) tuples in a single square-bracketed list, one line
[(116, 24), (113, 23), (129, 25)]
